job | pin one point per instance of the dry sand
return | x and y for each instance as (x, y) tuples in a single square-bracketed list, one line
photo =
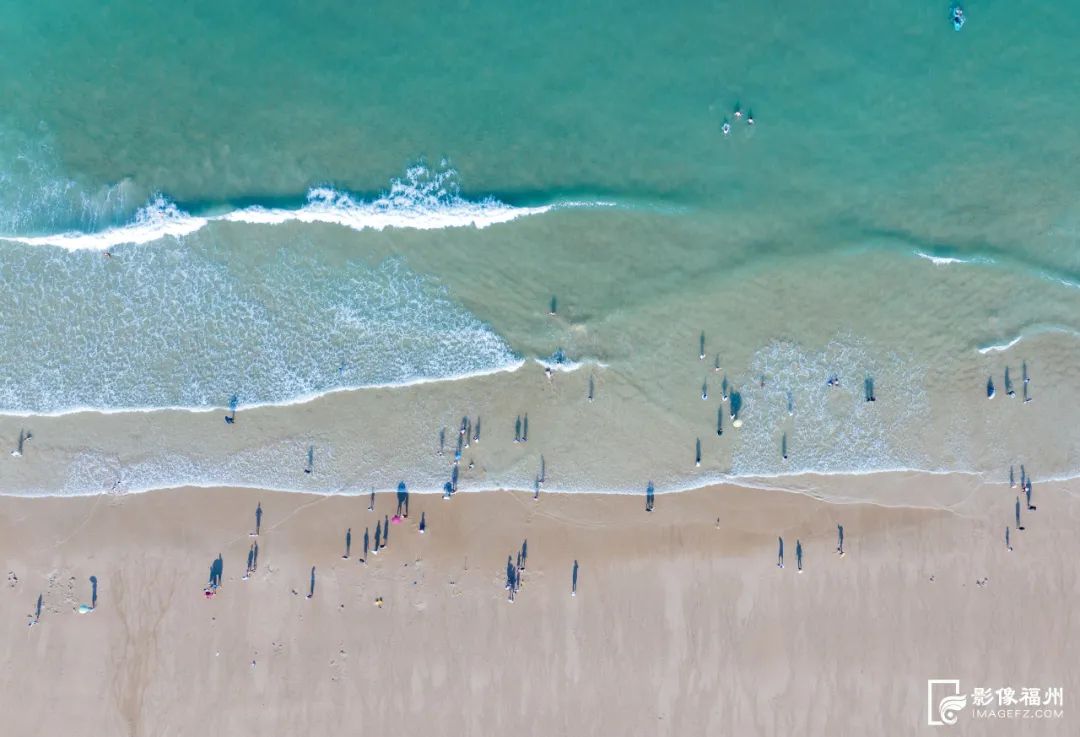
[(681, 626)]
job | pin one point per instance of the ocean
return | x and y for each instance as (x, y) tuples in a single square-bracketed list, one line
[(358, 220)]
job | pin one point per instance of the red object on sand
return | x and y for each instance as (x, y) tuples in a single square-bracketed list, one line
[(396, 519)]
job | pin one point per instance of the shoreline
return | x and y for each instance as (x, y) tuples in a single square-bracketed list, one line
[(798, 483), (682, 622)]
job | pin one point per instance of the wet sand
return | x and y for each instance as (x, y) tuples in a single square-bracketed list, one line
[(679, 626)]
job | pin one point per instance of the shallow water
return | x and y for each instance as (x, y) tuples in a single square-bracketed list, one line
[(272, 203)]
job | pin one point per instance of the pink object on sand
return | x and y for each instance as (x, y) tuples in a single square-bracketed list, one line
[(396, 519)]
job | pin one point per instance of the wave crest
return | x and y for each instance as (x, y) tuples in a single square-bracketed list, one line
[(424, 199)]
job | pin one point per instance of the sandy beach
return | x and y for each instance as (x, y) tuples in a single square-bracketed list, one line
[(682, 624)]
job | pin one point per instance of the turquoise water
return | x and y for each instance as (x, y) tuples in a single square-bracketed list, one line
[(273, 201)]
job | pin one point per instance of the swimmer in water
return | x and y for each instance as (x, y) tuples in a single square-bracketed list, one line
[(738, 111), (750, 118), (725, 128)]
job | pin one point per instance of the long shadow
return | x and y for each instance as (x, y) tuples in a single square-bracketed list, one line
[(573, 580), (310, 459), (476, 430), (37, 609), (311, 589), (93, 592), (736, 405), (868, 389), (258, 518), (348, 542), (217, 568)]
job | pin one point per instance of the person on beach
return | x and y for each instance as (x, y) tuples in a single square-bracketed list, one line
[(371, 504), (511, 578), (1008, 545), (250, 561), (423, 523), (1027, 493), (650, 495), (348, 543), (402, 499), (840, 539), (780, 554), (798, 555)]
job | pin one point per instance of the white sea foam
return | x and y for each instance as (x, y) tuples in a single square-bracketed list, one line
[(941, 260), (159, 219), (1029, 332), (423, 199)]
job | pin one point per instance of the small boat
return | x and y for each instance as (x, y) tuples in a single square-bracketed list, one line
[(956, 13), (990, 391)]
